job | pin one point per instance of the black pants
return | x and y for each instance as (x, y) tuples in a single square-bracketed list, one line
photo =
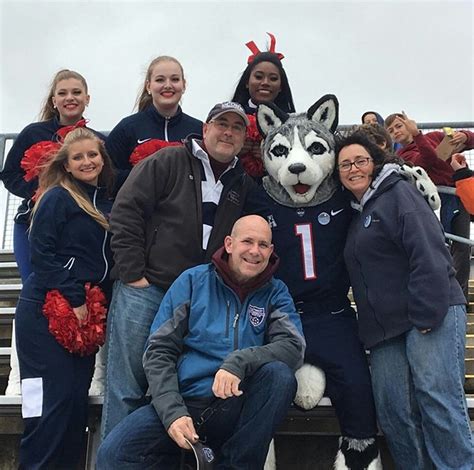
[(457, 221), (55, 386)]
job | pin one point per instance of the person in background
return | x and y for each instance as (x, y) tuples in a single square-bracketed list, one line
[(411, 312), (172, 213), (224, 345), (264, 79), (63, 110), (69, 241), (372, 117), (420, 149), (378, 134), (464, 181), (159, 122)]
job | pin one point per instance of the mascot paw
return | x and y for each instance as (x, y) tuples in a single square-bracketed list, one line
[(420, 179), (311, 385), (357, 454)]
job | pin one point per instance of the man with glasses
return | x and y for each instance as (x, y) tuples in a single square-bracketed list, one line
[(220, 361), (172, 213)]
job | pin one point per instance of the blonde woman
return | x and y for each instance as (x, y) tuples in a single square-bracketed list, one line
[(62, 110), (159, 120), (69, 247)]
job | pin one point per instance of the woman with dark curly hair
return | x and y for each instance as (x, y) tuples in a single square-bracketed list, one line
[(411, 311)]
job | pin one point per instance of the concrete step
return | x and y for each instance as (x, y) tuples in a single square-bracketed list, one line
[(469, 383), (7, 256), (469, 364)]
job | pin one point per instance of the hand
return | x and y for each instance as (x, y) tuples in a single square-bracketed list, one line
[(81, 312), (226, 385), (459, 138), (458, 161), (183, 428), (410, 124), (140, 284)]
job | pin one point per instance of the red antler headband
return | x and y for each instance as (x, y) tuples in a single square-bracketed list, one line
[(255, 50)]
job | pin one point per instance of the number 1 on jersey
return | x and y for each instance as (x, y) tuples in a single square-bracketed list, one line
[(307, 250)]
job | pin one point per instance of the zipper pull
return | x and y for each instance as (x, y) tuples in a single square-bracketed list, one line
[(236, 319)]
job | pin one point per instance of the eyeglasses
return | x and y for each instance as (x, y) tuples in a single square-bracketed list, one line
[(224, 126), (359, 163)]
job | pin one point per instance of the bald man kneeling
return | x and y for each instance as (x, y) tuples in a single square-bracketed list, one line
[(220, 362)]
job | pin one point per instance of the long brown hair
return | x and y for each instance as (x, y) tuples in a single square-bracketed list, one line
[(55, 174), (47, 110), (144, 99)]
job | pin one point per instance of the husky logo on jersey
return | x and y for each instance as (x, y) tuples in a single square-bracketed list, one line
[(271, 221), (298, 152), (256, 315), (300, 212)]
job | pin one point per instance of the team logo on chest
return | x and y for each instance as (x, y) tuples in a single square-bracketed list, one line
[(271, 221), (256, 315)]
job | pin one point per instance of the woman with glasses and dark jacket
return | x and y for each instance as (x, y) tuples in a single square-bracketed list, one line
[(411, 311)]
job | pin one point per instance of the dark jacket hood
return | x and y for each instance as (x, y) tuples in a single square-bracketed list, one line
[(220, 261)]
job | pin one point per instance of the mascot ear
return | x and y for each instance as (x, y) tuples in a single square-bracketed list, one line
[(325, 111), (269, 116)]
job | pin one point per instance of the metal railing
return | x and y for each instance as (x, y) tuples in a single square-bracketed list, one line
[(10, 202)]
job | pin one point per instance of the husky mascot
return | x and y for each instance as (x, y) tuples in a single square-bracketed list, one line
[(310, 215)]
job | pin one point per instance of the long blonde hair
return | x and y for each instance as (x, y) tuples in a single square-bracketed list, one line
[(144, 99), (55, 174), (47, 110)]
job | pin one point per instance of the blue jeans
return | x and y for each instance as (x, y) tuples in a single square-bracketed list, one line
[(418, 382), (239, 434), (132, 311)]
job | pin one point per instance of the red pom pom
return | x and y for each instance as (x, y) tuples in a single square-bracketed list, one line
[(36, 157), (252, 130), (148, 148), (85, 338), (64, 131), (252, 165)]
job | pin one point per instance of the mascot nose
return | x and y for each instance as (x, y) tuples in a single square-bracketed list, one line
[(297, 168)]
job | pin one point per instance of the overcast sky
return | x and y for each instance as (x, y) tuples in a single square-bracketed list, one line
[(384, 55)]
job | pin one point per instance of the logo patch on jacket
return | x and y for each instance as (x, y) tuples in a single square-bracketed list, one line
[(256, 315)]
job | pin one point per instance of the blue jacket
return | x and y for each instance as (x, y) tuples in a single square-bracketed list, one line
[(68, 247), (400, 269), (12, 174), (146, 125), (202, 326)]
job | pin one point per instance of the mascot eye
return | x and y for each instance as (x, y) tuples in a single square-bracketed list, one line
[(279, 151), (317, 148)]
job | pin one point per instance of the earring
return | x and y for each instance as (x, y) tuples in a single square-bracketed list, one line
[(149, 92)]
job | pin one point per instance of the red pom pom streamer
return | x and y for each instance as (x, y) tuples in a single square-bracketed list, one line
[(36, 157), (78, 338), (252, 165), (39, 154), (148, 148)]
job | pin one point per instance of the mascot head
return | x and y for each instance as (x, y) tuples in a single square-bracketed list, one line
[(298, 152)]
